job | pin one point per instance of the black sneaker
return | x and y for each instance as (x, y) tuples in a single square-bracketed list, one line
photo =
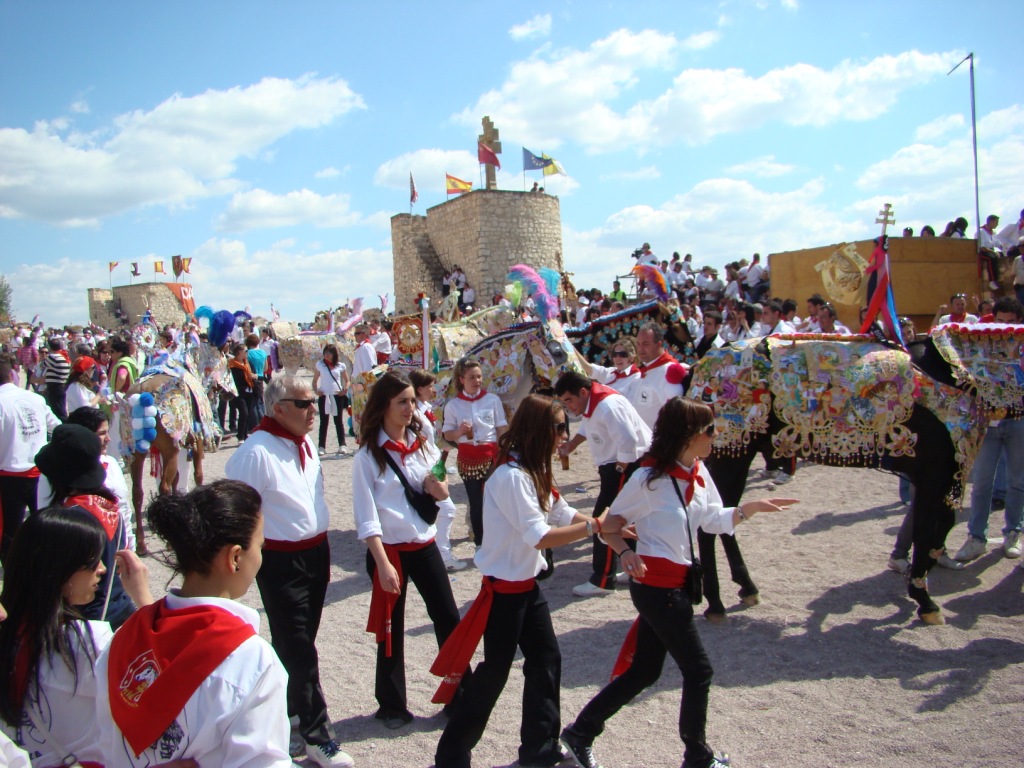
[(582, 755), (548, 762)]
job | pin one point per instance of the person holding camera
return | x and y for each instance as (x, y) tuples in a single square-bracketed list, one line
[(667, 500), (392, 471)]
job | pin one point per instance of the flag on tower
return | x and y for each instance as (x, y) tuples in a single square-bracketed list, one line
[(486, 155), (135, 269), (533, 163), (186, 263), (413, 194), (113, 264), (158, 268), (554, 167), (456, 186)]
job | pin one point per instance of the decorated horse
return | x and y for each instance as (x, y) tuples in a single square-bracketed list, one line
[(595, 339), (853, 402), (165, 411)]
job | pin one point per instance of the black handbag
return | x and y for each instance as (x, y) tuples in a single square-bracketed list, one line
[(426, 506), (694, 585)]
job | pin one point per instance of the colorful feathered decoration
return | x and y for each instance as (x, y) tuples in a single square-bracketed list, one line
[(241, 315), (350, 321), (535, 287), (221, 325), (204, 312), (552, 277), (654, 279)]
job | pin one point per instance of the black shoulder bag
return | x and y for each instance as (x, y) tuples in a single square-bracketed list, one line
[(424, 504), (694, 586)]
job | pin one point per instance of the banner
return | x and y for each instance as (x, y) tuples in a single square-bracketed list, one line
[(135, 269), (456, 186), (113, 264), (183, 292), (413, 194), (486, 155), (176, 265), (186, 265), (158, 268)]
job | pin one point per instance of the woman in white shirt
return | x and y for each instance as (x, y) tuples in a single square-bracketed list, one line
[(81, 389), (625, 371), (189, 676), (523, 515), (667, 500), (400, 543), (330, 382), (426, 393), (48, 702)]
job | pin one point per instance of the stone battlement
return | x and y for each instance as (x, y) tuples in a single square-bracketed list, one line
[(133, 301)]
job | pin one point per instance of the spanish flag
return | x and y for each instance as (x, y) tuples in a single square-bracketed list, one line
[(113, 264), (456, 186), (185, 264)]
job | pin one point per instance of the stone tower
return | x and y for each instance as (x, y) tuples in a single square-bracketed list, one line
[(485, 232), (162, 299)]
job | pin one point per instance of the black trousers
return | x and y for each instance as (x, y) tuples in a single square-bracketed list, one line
[(605, 562), (293, 586), (426, 570), (246, 405), (475, 492), (56, 398), (18, 499), (339, 419), (666, 627), (522, 621)]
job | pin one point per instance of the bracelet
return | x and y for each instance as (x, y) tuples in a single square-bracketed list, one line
[(597, 526), (739, 511), (590, 528)]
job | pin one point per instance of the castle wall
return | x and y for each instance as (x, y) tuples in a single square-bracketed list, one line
[(134, 300), (483, 231)]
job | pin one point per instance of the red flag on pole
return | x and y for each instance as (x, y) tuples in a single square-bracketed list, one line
[(113, 264), (413, 194), (186, 263), (486, 155)]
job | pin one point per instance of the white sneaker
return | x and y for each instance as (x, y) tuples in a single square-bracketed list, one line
[(899, 564), (946, 561), (1011, 545), (972, 549), (589, 590), (344, 451), (767, 474), (782, 478), (328, 755), (622, 578), (321, 451), (454, 564)]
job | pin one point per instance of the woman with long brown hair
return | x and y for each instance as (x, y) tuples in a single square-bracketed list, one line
[(667, 499), (523, 515)]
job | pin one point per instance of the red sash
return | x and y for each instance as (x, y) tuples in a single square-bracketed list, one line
[(381, 357), (663, 573), (475, 459), (31, 472), (456, 653), (159, 658), (280, 545), (383, 603), (598, 392), (268, 424)]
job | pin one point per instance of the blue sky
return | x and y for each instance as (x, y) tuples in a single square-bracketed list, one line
[(272, 142)]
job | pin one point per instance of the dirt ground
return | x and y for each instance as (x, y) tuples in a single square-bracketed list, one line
[(832, 668)]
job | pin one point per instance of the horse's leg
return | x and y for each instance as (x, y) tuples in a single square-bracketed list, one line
[(169, 450), (138, 464), (197, 460)]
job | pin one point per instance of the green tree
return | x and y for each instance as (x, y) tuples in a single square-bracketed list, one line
[(5, 299)]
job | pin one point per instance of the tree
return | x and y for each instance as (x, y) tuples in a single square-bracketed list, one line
[(5, 299)]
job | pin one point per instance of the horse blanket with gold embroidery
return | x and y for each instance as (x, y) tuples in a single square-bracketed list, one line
[(987, 358), (182, 407)]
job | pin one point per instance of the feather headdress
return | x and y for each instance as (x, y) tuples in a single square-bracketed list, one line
[(654, 278), (536, 288)]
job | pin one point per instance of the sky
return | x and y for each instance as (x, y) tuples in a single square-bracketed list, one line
[(272, 142)]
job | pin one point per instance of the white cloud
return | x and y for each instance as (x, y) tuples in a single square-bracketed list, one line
[(538, 26), (327, 173), (583, 96), (640, 174), (939, 127), (1001, 122), (764, 167), (791, 5), (701, 40), (428, 167), (259, 209), (184, 149), (79, 107)]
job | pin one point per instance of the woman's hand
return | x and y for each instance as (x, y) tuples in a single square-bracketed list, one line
[(134, 577), (633, 564), (389, 578), (436, 488), (750, 508)]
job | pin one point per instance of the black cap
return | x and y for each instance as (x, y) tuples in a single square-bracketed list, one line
[(72, 458)]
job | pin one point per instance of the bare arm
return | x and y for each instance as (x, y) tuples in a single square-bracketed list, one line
[(385, 570), (575, 531)]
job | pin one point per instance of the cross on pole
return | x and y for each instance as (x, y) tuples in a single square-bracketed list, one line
[(489, 138), (887, 217)]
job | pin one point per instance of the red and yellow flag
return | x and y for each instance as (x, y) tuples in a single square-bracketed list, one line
[(185, 264), (113, 264), (456, 186), (158, 268)]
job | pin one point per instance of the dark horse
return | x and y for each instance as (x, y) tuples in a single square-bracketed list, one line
[(745, 390)]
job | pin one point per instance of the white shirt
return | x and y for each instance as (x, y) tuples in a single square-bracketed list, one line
[(1018, 271), (238, 716), (623, 384), (10, 755), (426, 425), (486, 414), (966, 321), (67, 711), (989, 240), (331, 381), (651, 392), (78, 396), (381, 342), (294, 508), (753, 275), (514, 524), (660, 518), (780, 327), (365, 359), (25, 420), (615, 432), (378, 498)]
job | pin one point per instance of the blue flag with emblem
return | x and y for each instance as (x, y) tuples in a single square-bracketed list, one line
[(533, 163)]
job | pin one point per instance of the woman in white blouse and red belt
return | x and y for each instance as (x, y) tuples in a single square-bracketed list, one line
[(667, 499), (399, 541), (523, 515)]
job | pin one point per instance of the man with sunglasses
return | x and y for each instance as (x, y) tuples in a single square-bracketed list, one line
[(618, 438), (280, 461), (955, 311)]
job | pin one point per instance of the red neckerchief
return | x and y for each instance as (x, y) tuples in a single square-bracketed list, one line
[(957, 318), (472, 398), (598, 392), (457, 651), (403, 450), (272, 427), (680, 473), (665, 359), (430, 416), (626, 373), (158, 659), (103, 509)]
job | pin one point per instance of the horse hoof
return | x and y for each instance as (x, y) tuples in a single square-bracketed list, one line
[(715, 618), (141, 551), (754, 599), (934, 618)]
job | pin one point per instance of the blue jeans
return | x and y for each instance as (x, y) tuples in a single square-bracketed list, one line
[(1006, 437)]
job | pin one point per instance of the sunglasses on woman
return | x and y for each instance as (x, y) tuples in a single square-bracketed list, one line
[(710, 431), (561, 427), (620, 353)]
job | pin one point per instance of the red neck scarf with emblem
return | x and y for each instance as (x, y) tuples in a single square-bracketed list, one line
[(102, 508), (472, 398), (403, 450), (692, 479), (626, 373), (158, 659), (272, 427), (598, 392)]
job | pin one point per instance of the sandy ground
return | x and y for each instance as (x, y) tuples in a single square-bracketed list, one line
[(832, 669)]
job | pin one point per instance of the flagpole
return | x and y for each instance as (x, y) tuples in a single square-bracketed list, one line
[(974, 140)]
